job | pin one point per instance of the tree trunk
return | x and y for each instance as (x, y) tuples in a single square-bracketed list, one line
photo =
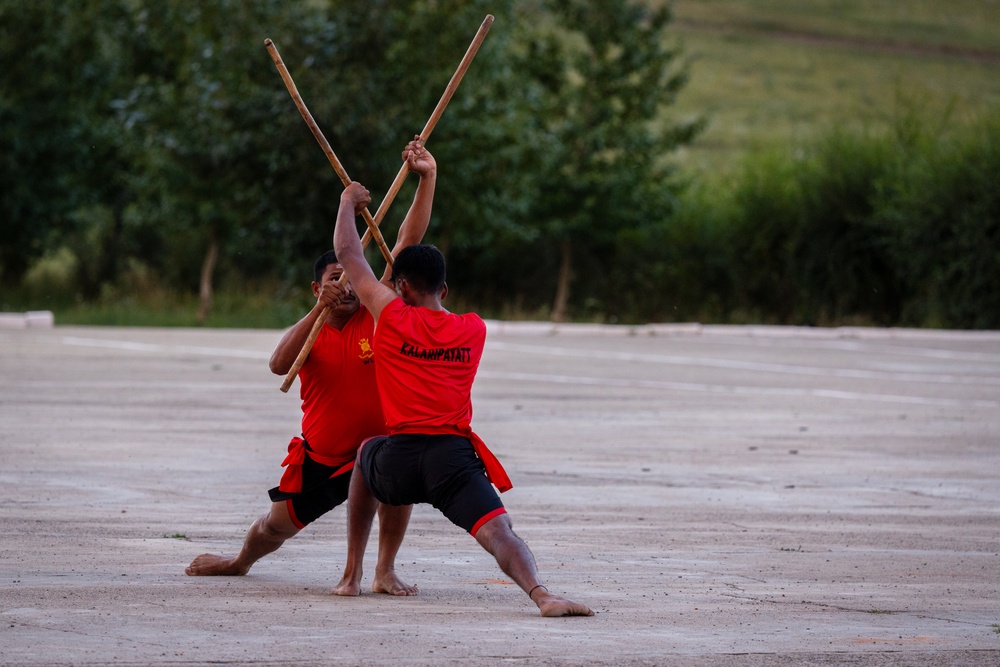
[(559, 313), (205, 286), (110, 267)]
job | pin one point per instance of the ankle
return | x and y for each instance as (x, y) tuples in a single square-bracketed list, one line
[(531, 593)]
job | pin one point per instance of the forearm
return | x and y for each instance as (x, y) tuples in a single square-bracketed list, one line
[(347, 243), (418, 218), (288, 348)]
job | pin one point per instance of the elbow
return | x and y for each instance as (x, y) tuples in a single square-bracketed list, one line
[(277, 365), (349, 252), (339, 247), (343, 244)]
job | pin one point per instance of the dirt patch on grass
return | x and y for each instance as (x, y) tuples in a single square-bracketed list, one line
[(868, 45)]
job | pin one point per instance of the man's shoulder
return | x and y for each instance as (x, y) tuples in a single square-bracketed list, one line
[(400, 312), (392, 312), (473, 320), (397, 305), (468, 320)]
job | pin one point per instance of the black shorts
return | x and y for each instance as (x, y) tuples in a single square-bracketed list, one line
[(320, 493), (442, 470)]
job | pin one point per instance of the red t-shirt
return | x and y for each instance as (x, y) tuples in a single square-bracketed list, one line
[(427, 363), (341, 406)]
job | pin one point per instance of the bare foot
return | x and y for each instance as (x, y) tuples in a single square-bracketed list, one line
[(348, 587), (211, 565), (556, 605), (390, 584)]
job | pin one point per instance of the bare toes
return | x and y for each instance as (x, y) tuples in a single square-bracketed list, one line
[(559, 606), (347, 590)]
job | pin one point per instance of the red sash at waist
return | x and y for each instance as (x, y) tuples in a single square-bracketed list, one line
[(494, 470), (291, 479)]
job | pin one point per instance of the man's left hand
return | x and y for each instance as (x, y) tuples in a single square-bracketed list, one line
[(418, 158)]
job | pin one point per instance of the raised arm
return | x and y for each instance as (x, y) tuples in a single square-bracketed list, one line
[(347, 244), (420, 161)]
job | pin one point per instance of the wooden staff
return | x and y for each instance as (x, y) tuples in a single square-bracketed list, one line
[(373, 231), (397, 183), (449, 91)]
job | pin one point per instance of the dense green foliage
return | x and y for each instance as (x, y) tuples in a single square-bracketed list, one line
[(142, 137), (901, 228), (139, 132), (149, 136)]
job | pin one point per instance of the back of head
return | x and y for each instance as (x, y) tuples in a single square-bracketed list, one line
[(319, 268), (422, 266)]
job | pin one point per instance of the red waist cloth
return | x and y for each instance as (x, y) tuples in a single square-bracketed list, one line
[(494, 471), (291, 479)]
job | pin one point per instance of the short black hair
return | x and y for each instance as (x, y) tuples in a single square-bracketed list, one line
[(319, 268), (423, 267)]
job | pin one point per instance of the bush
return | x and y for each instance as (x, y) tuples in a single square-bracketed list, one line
[(675, 269), (895, 229), (943, 217)]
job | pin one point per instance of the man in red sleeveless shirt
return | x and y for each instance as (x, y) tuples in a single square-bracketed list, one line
[(341, 407), (427, 362)]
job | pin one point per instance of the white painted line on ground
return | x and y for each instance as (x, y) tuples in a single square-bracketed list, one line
[(154, 348), (139, 383), (854, 346), (789, 369), (732, 389)]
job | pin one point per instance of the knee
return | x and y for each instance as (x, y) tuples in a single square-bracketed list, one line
[(495, 531), (273, 527)]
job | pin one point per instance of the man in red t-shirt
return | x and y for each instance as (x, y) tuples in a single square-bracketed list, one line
[(427, 362), (341, 407)]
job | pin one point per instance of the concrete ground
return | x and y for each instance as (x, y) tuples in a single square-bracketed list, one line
[(719, 496)]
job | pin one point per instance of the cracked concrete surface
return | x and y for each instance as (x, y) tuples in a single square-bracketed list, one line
[(719, 495)]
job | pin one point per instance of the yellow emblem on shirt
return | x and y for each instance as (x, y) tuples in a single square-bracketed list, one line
[(366, 349)]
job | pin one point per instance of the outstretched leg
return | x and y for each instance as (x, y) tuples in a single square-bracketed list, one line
[(516, 560), (265, 536), (392, 522), (361, 506)]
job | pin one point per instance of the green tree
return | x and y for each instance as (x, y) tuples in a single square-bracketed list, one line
[(157, 137), (600, 75), (215, 125), (58, 185)]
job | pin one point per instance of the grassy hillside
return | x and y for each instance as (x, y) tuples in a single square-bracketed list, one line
[(775, 73)]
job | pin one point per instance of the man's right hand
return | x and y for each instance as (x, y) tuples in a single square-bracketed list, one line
[(331, 294), (357, 195)]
